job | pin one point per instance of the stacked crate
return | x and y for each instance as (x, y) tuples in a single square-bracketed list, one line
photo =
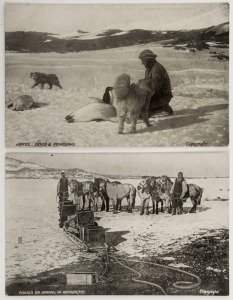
[(89, 230)]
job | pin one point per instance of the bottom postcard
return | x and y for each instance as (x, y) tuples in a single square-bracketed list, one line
[(117, 224)]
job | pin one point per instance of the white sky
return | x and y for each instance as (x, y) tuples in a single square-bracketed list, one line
[(192, 164), (58, 18)]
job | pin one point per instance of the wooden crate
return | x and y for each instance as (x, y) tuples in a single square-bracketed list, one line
[(95, 234), (85, 217), (81, 278), (68, 210)]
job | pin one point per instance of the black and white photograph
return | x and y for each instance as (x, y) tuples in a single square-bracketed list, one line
[(117, 224), (75, 75)]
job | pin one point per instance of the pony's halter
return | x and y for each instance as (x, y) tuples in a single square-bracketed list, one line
[(145, 188), (102, 187), (74, 184)]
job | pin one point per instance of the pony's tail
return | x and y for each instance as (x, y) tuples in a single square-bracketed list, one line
[(122, 86), (200, 196)]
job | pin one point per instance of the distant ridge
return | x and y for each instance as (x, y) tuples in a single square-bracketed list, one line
[(21, 41), (26, 170)]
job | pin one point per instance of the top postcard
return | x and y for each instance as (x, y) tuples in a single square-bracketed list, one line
[(117, 75)]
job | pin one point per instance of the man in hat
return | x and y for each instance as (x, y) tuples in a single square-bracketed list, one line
[(178, 192), (62, 187), (160, 81)]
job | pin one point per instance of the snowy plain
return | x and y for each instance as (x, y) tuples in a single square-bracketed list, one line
[(200, 102)]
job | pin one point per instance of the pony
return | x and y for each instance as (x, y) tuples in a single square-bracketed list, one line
[(162, 187), (117, 191), (104, 197), (147, 188), (194, 192), (83, 190)]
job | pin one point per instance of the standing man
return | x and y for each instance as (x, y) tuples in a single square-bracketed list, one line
[(160, 82), (62, 188), (178, 191)]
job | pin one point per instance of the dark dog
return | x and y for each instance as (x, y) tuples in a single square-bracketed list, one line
[(42, 78)]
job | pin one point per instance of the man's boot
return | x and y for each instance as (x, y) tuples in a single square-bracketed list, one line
[(169, 110)]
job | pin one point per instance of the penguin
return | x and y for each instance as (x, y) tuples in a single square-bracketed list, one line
[(108, 96)]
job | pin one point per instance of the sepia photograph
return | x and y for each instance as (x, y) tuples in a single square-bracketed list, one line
[(117, 224), (117, 75)]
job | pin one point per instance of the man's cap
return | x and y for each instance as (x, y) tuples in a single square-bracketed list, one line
[(62, 172), (180, 173), (147, 54)]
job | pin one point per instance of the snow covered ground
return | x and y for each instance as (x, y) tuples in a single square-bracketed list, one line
[(200, 102), (31, 215)]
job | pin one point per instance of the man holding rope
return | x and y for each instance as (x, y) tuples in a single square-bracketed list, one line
[(178, 191), (62, 188)]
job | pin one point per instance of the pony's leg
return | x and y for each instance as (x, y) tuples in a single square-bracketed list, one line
[(114, 204), (94, 200), (118, 205), (153, 205), (166, 204), (169, 204), (147, 206), (161, 205), (157, 206), (89, 201), (142, 206), (130, 203), (194, 202), (84, 200), (107, 200), (121, 124), (120, 202), (103, 203), (78, 203), (199, 197), (96, 197)]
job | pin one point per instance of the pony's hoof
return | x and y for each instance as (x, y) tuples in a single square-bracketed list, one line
[(133, 131), (130, 211), (115, 212), (120, 132), (147, 213), (141, 213)]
